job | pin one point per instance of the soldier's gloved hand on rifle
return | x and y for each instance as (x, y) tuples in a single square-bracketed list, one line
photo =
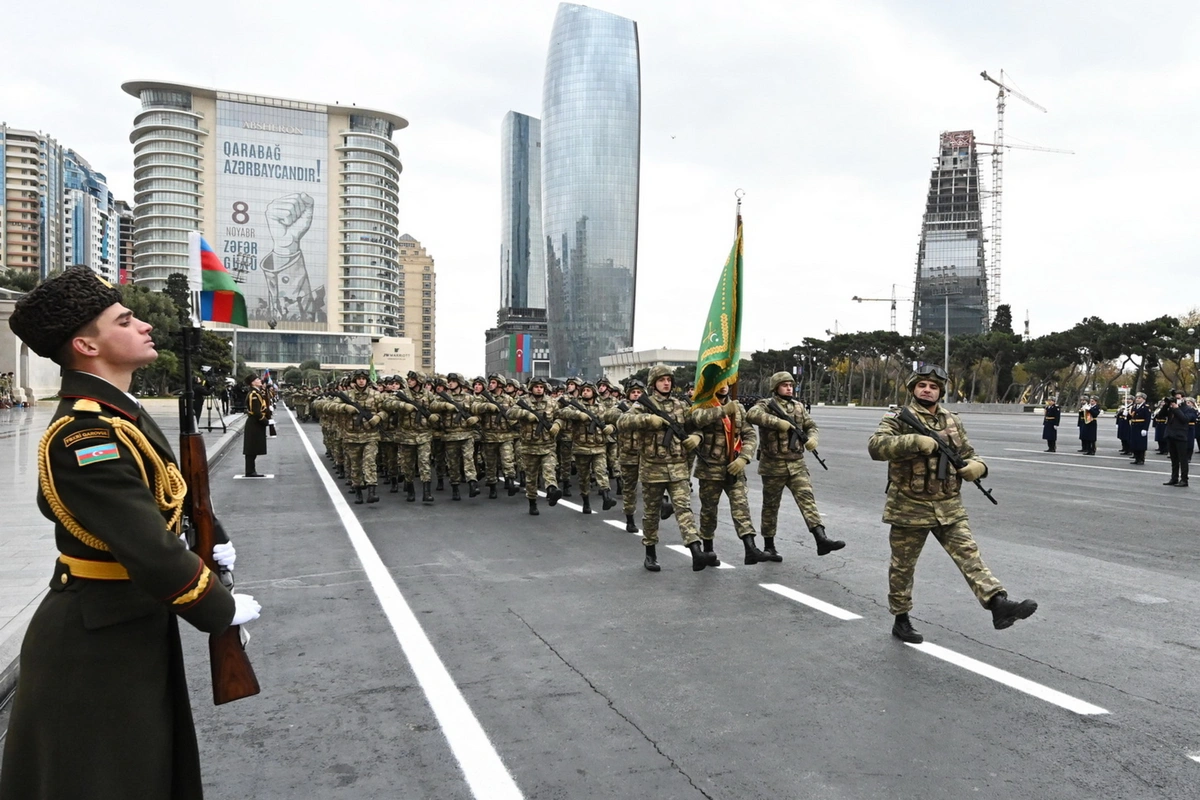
[(471, 421), (403, 406), (225, 555), (655, 422), (609, 430), (555, 429), (491, 408), (434, 419), (374, 421), (918, 443), (779, 424), (245, 609), (563, 400), (737, 466), (973, 470), (691, 443), (811, 444)]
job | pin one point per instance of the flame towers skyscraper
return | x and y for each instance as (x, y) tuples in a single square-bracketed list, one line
[(591, 151)]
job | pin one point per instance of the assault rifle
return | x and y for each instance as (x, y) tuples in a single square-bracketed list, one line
[(947, 455), (403, 397), (486, 395), (232, 673), (674, 429), (543, 424), (594, 423), (462, 412), (797, 438), (364, 416)]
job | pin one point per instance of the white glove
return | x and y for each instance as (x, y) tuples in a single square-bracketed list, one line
[(1144, 433), (225, 555), (246, 609)]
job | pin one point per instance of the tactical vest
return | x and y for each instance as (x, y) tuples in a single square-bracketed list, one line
[(917, 477)]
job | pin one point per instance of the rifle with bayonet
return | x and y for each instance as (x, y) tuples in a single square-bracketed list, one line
[(543, 424), (797, 438), (674, 429), (947, 455)]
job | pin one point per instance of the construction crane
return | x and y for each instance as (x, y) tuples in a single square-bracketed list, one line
[(998, 182), (892, 300)]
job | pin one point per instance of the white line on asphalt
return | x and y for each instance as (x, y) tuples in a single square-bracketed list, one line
[(811, 602), (1077, 466), (566, 503), (620, 525), (481, 765), (1008, 679), (1063, 455), (678, 548), (1194, 756)]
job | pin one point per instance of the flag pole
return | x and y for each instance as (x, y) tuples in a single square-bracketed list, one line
[(737, 226)]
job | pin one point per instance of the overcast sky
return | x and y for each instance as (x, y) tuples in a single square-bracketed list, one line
[(826, 114)]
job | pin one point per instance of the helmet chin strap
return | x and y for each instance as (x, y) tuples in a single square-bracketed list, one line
[(925, 403)]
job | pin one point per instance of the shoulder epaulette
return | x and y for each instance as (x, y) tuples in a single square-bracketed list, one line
[(84, 404)]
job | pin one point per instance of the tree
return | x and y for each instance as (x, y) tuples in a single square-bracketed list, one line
[(181, 296), (311, 363), (1002, 323), (160, 311), (19, 280)]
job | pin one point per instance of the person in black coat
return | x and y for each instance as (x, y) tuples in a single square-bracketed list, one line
[(1123, 429), (1050, 424), (1139, 428), (1181, 421), (1160, 425), (258, 417), (1089, 412)]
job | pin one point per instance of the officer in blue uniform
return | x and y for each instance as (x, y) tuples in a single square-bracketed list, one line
[(1050, 424), (1139, 428)]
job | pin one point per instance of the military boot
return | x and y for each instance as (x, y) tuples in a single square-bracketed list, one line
[(566, 488), (700, 559), (473, 488), (753, 554), (769, 549), (607, 498), (533, 512), (713, 561), (371, 496), (341, 471), (521, 479), (410, 492), (587, 502), (630, 525), (620, 487), (824, 544), (441, 487), (1005, 612), (395, 485), (492, 491), (358, 498), (427, 491), (665, 509), (902, 629), (510, 485), (553, 495), (651, 562), (454, 495)]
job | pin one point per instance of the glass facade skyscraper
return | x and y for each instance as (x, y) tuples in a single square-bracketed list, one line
[(951, 274), (591, 150), (522, 253)]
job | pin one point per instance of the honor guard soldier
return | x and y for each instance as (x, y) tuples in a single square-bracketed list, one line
[(1089, 412), (258, 417), (1050, 424), (539, 439), (589, 443), (726, 448), (782, 464), (920, 503), (629, 451), (662, 421), (1139, 428), (1160, 425), (101, 708)]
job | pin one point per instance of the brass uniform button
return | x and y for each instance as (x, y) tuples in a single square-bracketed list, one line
[(64, 577)]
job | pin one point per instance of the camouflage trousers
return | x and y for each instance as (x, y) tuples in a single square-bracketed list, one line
[(415, 460), (593, 466), (629, 487), (361, 461), (957, 540), (566, 460), (460, 460), (539, 466), (437, 456), (498, 461), (739, 506), (681, 498), (388, 457), (614, 463), (796, 479)]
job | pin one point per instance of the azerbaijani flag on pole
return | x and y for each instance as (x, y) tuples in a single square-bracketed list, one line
[(720, 349), (520, 359), (215, 296)]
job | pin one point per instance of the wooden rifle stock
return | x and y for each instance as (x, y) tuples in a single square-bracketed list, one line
[(232, 674)]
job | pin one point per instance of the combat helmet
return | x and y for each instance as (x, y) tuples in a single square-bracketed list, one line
[(360, 373), (480, 380), (588, 385), (780, 378), (928, 372), (456, 377), (534, 381), (660, 371), (634, 383), (497, 377)]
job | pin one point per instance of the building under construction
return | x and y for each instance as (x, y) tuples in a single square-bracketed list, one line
[(951, 274)]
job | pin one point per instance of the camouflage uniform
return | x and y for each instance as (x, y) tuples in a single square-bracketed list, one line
[(538, 444), (589, 444), (361, 439), (629, 451), (389, 436), (919, 504), (497, 437), (606, 401), (566, 458), (781, 466), (458, 432), (718, 425), (414, 432)]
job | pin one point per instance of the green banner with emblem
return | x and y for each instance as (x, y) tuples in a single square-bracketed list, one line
[(720, 348)]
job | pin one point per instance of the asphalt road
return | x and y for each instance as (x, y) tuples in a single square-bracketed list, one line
[(469, 650)]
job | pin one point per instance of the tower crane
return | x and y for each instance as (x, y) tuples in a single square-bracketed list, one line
[(998, 181), (892, 300)]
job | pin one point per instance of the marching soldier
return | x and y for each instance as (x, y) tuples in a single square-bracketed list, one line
[(360, 440), (437, 446), (414, 435), (513, 392), (497, 435), (539, 439), (663, 465), (1139, 428), (566, 460), (608, 397), (918, 503), (783, 464), (589, 435), (726, 448), (101, 708), (389, 434), (1050, 424), (629, 451), (458, 432)]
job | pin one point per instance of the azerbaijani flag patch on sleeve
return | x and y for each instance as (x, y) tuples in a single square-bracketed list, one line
[(96, 453)]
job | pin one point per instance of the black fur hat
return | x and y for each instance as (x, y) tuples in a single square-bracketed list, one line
[(47, 318)]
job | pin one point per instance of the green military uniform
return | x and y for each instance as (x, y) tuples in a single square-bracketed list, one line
[(919, 503), (629, 452), (458, 432), (783, 466), (414, 437), (360, 440), (496, 435), (538, 433), (607, 397), (589, 443)]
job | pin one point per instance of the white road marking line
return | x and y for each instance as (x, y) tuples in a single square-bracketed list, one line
[(678, 548), (1008, 679), (485, 773), (811, 602), (1194, 756), (1077, 466), (619, 525), (1065, 454)]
